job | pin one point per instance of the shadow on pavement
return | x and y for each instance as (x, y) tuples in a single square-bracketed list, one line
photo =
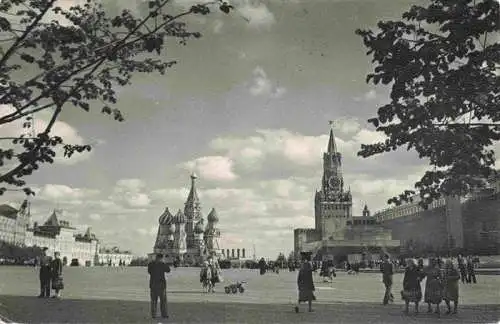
[(194, 292), (28, 309)]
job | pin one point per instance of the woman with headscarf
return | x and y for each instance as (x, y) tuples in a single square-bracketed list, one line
[(412, 292), (262, 266), (451, 278), (215, 272), (433, 286), (305, 282), (56, 274), (206, 277)]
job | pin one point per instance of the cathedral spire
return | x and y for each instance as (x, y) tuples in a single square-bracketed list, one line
[(332, 147), (193, 195)]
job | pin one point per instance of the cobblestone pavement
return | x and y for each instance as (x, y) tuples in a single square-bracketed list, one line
[(109, 295)]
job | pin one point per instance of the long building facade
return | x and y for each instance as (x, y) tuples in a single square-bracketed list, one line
[(56, 234), (450, 224), (184, 237), (338, 234)]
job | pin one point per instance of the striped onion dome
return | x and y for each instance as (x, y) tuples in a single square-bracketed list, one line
[(166, 218), (180, 218)]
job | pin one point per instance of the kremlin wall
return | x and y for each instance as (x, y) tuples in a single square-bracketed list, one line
[(470, 224)]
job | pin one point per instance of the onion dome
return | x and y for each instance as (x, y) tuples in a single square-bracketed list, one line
[(166, 218), (212, 216), (198, 228), (179, 217)]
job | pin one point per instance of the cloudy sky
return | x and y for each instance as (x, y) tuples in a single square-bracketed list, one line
[(247, 109)]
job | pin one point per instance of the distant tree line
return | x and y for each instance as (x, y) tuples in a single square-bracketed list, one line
[(18, 254)]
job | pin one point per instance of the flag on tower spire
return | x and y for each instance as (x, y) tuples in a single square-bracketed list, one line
[(332, 147)]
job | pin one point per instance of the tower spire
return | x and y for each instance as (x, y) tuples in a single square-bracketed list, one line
[(193, 195), (332, 147)]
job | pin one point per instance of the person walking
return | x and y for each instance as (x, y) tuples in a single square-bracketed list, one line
[(462, 268), (57, 279), (387, 272), (45, 274), (305, 282), (471, 272), (158, 285), (214, 273), (262, 266)]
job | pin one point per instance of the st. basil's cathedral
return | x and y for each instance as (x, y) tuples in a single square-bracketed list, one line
[(183, 237)]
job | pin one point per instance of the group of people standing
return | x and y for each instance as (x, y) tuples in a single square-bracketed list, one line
[(50, 275), (210, 274), (442, 284)]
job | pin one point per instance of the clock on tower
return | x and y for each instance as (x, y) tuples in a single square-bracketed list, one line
[(333, 183)]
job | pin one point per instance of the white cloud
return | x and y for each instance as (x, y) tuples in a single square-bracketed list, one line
[(129, 192), (129, 185), (346, 125), (95, 216), (170, 194), (261, 85), (267, 202), (65, 5), (370, 95), (218, 24), (189, 3), (65, 194), (148, 232), (256, 13), (217, 168), (62, 129)]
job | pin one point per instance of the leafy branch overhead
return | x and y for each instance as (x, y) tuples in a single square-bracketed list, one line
[(80, 59), (442, 62)]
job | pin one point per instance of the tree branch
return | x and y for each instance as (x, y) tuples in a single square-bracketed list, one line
[(119, 44), (14, 138), (467, 124), (35, 22), (95, 64), (51, 123), (44, 93), (10, 117)]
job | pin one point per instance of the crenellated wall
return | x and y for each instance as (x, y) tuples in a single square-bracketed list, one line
[(424, 228), (480, 218)]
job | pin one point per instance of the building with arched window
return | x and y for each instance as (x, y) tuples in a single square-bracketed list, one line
[(57, 234)]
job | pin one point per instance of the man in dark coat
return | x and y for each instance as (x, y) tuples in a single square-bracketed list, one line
[(462, 268), (158, 285), (45, 274), (262, 266), (471, 272), (387, 272)]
